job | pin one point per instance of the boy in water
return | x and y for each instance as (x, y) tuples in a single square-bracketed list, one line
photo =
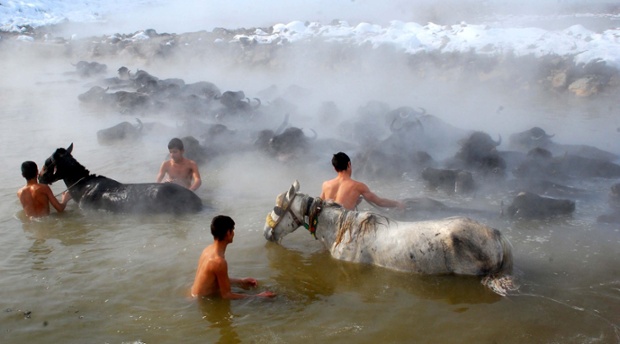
[(348, 192), (36, 198), (212, 273), (180, 170)]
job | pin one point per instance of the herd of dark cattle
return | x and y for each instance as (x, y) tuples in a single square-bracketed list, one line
[(386, 142)]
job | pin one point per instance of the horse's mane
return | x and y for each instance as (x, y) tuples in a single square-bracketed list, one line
[(366, 221), (69, 161)]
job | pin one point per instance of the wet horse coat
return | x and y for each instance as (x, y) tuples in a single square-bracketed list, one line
[(101, 193), (455, 245)]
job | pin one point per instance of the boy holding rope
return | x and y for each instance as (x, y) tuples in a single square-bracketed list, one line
[(36, 198)]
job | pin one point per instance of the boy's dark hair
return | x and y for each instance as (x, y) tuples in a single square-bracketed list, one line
[(220, 225), (29, 170), (175, 143), (340, 161)]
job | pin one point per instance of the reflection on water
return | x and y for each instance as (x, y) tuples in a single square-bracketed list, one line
[(217, 312), (306, 278)]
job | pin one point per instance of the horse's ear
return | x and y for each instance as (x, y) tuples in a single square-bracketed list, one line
[(291, 192), (70, 148), (296, 185)]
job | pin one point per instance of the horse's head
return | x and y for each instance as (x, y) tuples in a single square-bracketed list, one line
[(50, 173), (286, 216)]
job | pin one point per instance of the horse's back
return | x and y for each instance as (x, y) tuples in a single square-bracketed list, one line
[(173, 198), (149, 198), (457, 245)]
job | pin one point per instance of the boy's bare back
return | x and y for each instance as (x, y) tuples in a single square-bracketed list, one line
[(343, 191), (35, 199), (205, 283)]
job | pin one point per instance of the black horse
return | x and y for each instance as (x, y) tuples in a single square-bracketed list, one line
[(98, 192)]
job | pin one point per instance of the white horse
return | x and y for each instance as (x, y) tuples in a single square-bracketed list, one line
[(454, 245)]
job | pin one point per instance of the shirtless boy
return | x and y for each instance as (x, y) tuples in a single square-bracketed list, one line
[(212, 273), (180, 170), (348, 192), (36, 198)]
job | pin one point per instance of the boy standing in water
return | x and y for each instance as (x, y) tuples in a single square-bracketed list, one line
[(212, 273), (36, 198), (180, 170)]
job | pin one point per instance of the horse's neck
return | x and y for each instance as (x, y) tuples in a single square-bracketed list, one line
[(75, 173), (332, 220), (328, 221), (337, 223)]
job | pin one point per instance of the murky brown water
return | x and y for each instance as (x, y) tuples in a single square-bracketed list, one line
[(103, 278)]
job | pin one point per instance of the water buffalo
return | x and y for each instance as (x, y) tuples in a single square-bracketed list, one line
[(547, 188), (537, 165), (204, 89), (528, 205), (536, 137), (143, 79), (614, 196), (541, 164), (613, 216), (220, 139), (123, 131), (123, 79), (87, 69), (236, 103), (195, 151), (403, 114), (401, 152), (368, 125), (162, 89), (96, 94), (122, 101), (479, 152), (451, 181), (406, 137), (377, 163), (290, 144)]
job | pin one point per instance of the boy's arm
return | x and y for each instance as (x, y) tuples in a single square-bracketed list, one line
[(220, 270), (60, 207), (196, 180), (382, 202), (162, 172), (244, 283)]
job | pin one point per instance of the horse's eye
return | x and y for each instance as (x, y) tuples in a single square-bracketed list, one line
[(278, 211)]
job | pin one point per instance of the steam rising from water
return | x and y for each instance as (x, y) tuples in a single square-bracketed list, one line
[(40, 112), (349, 76)]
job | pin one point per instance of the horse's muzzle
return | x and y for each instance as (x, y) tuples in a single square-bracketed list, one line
[(268, 233)]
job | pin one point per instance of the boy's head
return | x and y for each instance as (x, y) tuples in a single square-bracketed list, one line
[(175, 143), (220, 225), (175, 147), (29, 170), (340, 161)]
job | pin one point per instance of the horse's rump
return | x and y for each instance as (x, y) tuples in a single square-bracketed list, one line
[(108, 194), (98, 192)]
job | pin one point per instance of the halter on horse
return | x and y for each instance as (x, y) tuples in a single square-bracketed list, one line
[(98, 192)]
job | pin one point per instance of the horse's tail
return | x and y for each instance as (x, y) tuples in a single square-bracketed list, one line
[(502, 281), (507, 261)]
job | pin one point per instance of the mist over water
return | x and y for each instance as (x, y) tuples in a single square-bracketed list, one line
[(191, 15), (122, 278)]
